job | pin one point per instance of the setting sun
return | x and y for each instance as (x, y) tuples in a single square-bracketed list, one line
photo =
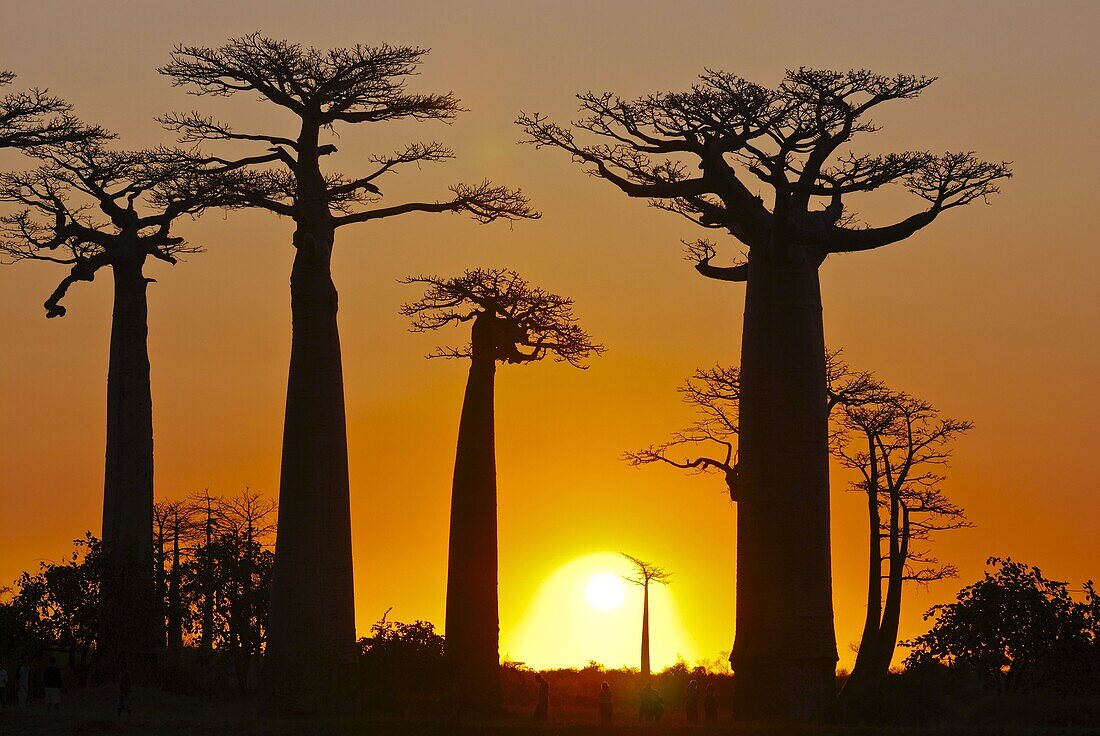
[(605, 591)]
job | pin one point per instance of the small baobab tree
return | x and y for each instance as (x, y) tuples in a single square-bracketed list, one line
[(898, 444), (510, 322), (312, 628), (645, 573), (37, 118), (90, 207), (773, 167)]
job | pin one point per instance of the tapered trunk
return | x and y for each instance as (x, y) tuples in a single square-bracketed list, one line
[(784, 652), (175, 614), (645, 629), (472, 626), (209, 593), (855, 689), (891, 610), (311, 635), (129, 611)]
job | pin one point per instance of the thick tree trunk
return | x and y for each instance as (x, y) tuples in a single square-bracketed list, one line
[(130, 613), (311, 634), (645, 629), (472, 626), (784, 653)]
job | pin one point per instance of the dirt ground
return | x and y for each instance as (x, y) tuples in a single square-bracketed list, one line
[(157, 713)]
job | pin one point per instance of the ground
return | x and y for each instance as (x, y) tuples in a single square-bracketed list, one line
[(156, 713)]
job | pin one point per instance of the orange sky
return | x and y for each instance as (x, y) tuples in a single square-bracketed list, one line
[(991, 312)]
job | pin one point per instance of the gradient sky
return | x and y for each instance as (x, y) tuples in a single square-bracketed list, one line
[(991, 313)]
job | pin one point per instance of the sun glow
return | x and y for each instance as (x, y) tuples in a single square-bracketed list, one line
[(605, 591), (584, 611)]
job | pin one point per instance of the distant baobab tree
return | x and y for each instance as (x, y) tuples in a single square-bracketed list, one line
[(899, 445), (510, 322), (644, 574), (312, 627), (696, 153), (89, 207), (709, 444), (36, 118)]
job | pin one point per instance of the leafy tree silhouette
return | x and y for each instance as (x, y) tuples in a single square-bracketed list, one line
[(644, 574), (312, 628), (511, 322), (91, 207), (792, 141)]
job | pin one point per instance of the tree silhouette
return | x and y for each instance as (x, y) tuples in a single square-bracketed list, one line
[(714, 393), (511, 322), (644, 574), (899, 445), (695, 154), (312, 607), (175, 530), (37, 118), (90, 207)]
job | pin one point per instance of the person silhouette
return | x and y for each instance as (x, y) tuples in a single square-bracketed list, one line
[(650, 707), (124, 687), (544, 698), (22, 683), (691, 702), (710, 704), (51, 683), (605, 703)]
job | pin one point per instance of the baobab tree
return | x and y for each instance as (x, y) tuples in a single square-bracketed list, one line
[(90, 207), (510, 322), (312, 627), (36, 118), (899, 445), (175, 530), (696, 154), (645, 573)]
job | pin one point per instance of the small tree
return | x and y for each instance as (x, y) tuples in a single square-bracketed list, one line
[(644, 574), (1015, 629), (511, 322), (899, 445), (697, 153), (313, 616), (91, 208), (61, 606)]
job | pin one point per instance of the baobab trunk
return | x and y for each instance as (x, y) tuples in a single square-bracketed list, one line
[(130, 613), (472, 652), (645, 630), (891, 610), (784, 653), (311, 629), (855, 688)]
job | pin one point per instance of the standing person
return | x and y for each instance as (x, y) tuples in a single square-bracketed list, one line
[(710, 704), (544, 698), (124, 686), (649, 706), (51, 682), (22, 683), (691, 702), (605, 703)]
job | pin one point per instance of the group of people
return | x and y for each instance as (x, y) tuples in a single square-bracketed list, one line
[(16, 687), (651, 707)]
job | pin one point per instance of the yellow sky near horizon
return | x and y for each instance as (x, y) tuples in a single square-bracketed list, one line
[(991, 313)]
